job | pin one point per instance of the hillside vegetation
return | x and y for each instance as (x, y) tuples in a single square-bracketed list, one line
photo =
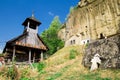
[(65, 64), (50, 36)]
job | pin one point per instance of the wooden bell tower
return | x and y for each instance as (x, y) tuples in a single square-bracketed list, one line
[(27, 47)]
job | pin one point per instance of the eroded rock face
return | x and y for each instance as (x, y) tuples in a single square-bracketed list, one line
[(108, 49), (92, 18), (84, 2)]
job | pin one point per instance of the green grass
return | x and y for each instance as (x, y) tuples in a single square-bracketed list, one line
[(72, 54), (61, 67), (54, 77)]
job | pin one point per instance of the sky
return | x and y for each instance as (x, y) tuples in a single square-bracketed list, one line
[(14, 12)]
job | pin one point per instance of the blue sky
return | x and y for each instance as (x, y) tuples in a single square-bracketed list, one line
[(14, 12)]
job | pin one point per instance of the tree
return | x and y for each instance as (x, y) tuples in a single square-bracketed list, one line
[(50, 36)]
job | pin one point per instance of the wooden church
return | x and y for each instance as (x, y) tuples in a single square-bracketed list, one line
[(27, 47)]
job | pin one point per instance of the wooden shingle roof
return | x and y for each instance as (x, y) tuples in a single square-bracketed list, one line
[(32, 19), (21, 41)]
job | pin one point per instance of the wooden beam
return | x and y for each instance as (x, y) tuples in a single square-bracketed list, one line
[(29, 56), (34, 57), (41, 56), (17, 51), (13, 58)]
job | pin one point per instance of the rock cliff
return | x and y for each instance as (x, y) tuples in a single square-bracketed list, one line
[(91, 19), (108, 49)]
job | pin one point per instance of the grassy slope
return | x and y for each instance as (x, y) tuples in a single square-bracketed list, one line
[(60, 67)]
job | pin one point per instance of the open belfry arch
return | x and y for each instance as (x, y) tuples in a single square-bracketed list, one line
[(27, 47)]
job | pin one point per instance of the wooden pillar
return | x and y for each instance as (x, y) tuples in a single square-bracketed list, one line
[(34, 57), (30, 56), (13, 57), (41, 56), (28, 26)]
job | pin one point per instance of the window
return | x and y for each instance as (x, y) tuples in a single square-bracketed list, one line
[(73, 41), (87, 41), (33, 27)]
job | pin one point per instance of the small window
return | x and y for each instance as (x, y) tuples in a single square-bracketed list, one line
[(87, 41), (33, 27), (73, 41), (84, 42)]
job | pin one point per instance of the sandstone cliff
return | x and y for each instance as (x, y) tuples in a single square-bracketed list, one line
[(108, 49), (92, 19)]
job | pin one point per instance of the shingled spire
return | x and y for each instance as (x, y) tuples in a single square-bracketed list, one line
[(31, 24)]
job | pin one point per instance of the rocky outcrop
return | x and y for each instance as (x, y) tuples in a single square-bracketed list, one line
[(108, 49), (61, 33), (93, 18)]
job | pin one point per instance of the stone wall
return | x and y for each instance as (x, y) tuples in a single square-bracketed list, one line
[(93, 18)]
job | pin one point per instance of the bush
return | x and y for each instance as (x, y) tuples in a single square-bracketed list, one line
[(73, 54), (13, 73), (24, 73), (39, 66)]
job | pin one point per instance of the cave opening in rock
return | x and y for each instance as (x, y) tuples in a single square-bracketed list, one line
[(101, 36)]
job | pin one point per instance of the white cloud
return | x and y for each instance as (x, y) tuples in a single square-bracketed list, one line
[(50, 13)]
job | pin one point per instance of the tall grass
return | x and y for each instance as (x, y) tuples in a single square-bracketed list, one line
[(60, 67)]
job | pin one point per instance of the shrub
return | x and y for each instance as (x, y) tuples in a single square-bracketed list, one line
[(40, 66), (13, 73), (24, 73), (73, 54)]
